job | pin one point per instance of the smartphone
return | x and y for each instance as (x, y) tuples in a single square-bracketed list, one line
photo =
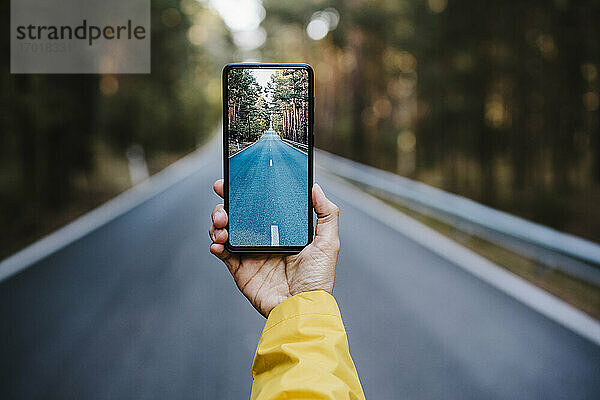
[(268, 112)]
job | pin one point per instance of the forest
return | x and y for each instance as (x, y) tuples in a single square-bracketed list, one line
[(289, 104), (248, 115), (282, 105), (495, 100)]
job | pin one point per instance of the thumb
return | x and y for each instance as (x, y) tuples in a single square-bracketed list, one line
[(327, 215)]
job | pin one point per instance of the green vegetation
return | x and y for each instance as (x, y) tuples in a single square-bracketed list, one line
[(248, 117), (63, 138), (497, 101), (494, 100), (281, 105), (289, 104)]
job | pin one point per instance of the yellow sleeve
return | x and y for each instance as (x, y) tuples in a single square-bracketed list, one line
[(303, 352)]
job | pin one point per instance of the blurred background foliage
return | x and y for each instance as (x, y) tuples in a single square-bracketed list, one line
[(494, 100)]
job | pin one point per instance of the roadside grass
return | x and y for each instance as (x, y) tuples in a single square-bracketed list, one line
[(580, 294), (108, 177)]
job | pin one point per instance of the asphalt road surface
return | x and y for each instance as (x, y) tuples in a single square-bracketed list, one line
[(268, 194), (139, 309)]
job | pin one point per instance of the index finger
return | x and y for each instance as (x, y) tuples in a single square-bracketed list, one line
[(218, 187)]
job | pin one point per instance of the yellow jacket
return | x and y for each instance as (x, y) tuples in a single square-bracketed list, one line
[(303, 352)]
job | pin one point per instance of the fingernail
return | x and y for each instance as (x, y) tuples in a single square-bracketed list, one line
[(319, 188)]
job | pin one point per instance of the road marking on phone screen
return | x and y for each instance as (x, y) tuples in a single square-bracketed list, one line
[(274, 235), (270, 163)]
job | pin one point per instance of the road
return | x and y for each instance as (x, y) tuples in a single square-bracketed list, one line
[(268, 194), (139, 309)]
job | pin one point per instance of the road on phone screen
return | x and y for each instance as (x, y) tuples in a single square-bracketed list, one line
[(137, 308), (268, 191)]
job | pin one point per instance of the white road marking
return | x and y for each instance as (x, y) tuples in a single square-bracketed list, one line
[(274, 235), (270, 163), (295, 148), (244, 149), (110, 210), (513, 285)]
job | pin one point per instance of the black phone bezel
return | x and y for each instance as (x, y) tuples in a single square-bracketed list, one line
[(269, 249)]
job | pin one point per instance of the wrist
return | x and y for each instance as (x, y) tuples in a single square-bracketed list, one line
[(312, 288), (267, 311), (304, 303)]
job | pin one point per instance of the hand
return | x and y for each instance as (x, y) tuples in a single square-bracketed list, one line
[(267, 280)]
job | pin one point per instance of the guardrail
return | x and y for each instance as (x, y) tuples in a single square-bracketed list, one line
[(573, 255), (300, 146)]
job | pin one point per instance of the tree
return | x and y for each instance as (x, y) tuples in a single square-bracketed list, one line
[(289, 103), (246, 114)]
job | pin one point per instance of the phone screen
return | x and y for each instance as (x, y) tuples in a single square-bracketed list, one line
[(268, 132)]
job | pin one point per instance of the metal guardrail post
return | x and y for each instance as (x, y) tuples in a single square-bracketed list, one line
[(569, 253)]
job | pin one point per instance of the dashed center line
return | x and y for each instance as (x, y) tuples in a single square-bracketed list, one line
[(274, 235)]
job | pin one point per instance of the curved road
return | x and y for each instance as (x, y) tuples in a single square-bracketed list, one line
[(138, 308)]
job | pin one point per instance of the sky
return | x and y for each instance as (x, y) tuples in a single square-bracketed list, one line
[(240, 15), (262, 77)]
